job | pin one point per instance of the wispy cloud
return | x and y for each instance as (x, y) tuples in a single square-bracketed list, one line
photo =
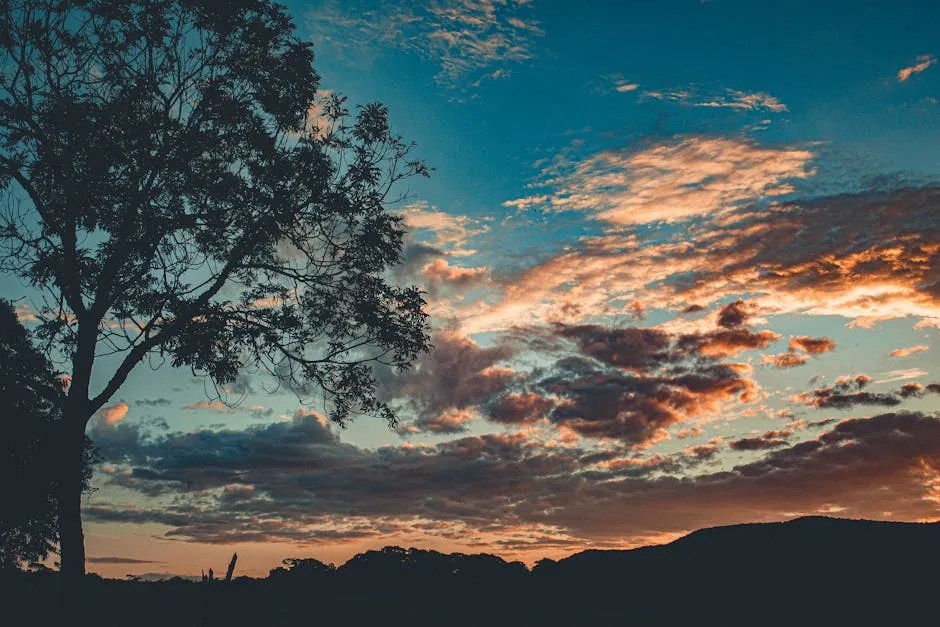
[(673, 181), (901, 375), (464, 38), (724, 99), (218, 406), (924, 61)]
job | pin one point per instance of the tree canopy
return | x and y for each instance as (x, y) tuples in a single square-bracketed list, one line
[(175, 187)]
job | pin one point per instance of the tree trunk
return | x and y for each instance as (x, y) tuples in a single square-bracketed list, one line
[(71, 537)]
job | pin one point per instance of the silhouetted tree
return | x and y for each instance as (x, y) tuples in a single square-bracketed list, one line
[(302, 570), (32, 398), (174, 194)]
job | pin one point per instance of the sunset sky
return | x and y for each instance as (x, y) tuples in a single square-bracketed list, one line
[(683, 265)]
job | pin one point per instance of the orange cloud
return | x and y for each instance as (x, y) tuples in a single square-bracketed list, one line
[(906, 352), (448, 232), (784, 360), (440, 274), (673, 182), (811, 345), (112, 414), (924, 61)]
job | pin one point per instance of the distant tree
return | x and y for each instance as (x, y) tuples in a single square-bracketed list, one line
[(302, 569), (32, 397), (175, 194)]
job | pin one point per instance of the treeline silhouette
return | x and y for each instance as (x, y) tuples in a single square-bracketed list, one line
[(808, 571)]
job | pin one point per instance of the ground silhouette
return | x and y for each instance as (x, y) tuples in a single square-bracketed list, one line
[(808, 571)]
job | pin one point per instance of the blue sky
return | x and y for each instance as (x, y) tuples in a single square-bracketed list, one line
[(682, 237)]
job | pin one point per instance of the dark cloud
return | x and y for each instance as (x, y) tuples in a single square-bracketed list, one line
[(457, 375), (705, 451), (637, 409), (519, 408), (909, 390), (734, 315), (848, 392), (415, 256), (119, 560), (331, 491), (848, 467), (631, 348), (628, 384), (768, 440)]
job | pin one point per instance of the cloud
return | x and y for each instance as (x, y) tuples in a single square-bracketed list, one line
[(727, 342), (441, 276), (624, 86), (449, 421), (463, 38), (799, 349), (447, 232), (623, 383), (688, 433), (119, 560), (519, 408), (257, 411), (866, 257), (627, 384), (630, 348), (112, 414), (734, 314), (217, 406), (784, 360), (318, 489), (637, 409), (900, 375), (811, 345), (25, 313), (457, 375), (907, 352), (924, 61), (153, 402), (724, 99), (672, 181), (847, 392), (705, 451), (767, 440)]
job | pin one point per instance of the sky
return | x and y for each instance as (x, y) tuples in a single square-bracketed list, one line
[(683, 265)]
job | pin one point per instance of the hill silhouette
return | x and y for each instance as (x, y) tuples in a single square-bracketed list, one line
[(807, 571)]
